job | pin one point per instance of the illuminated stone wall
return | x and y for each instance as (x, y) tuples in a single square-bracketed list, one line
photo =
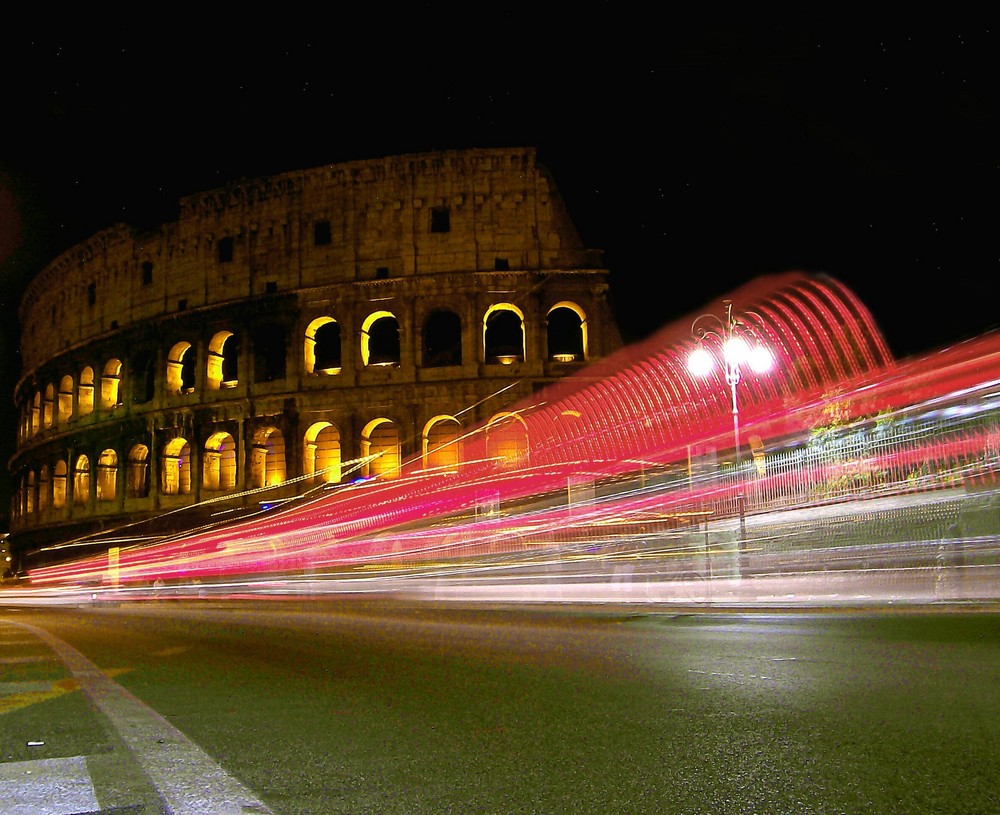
[(303, 328)]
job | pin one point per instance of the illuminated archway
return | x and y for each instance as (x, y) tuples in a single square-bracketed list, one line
[(176, 468), (180, 368), (267, 458), (322, 454), (566, 332), (49, 406), (137, 477), (221, 370), (107, 476), (111, 381), (322, 348), (380, 339), (59, 485), (503, 334), (219, 464), (85, 400), (507, 439), (442, 442), (81, 482), (380, 446), (65, 411)]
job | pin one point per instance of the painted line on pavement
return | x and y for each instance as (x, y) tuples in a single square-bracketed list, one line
[(190, 781)]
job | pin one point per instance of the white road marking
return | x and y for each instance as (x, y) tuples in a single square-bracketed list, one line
[(49, 786), (190, 781)]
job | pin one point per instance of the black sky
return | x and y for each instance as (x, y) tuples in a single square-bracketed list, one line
[(696, 156)]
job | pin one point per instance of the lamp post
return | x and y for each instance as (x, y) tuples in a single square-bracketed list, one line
[(738, 347)]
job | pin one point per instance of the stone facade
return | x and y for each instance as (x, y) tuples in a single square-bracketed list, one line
[(302, 329)]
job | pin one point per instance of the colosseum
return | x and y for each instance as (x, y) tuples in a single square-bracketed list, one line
[(290, 332)]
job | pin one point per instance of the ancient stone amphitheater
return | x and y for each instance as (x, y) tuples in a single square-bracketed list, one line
[(294, 331)]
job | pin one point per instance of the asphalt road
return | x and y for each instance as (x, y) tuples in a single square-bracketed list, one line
[(373, 706)]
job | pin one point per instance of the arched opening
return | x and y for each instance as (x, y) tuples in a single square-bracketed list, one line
[(111, 385), (442, 339), (380, 340), (222, 370), (65, 411), (36, 414), (219, 466), (107, 476), (380, 446), (180, 368), (32, 494), (59, 485), (43, 488), (503, 334), (442, 442), (322, 347), (143, 377), (85, 397), (267, 458), (566, 333), (507, 439), (176, 473), (137, 478), (81, 482), (322, 452), (49, 406)]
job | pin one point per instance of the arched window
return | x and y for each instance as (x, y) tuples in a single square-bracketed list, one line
[(442, 339), (81, 482), (36, 413), (59, 485), (322, 347), (65, 399), (85, 401), (322, 452), (222, 361), (267, 458), (43, 488), (507, 439), (176, 472), (107, 476), (111, 385), (503, 334), (219, 466), (49, 406), (566, 333), (180, 368), (137, 478), (380, 445), (32, 493), (380, 339), (442, 442)]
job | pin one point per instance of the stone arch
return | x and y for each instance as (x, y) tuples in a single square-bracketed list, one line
[(566, 332), (507, 439), (31, 493), (81, 481), (180, 368), (442, 442), (36, 413), (322, 347), (49, 406), (322, 453), (219, 464), (441, 339), (44, 488), (222, 369), (267, 458), (111, 381), (107, 475), (85, 392), (59, 485), (65, 408), (381, 447), (380, 339), (137, 477), (503, 334), (176, 470)]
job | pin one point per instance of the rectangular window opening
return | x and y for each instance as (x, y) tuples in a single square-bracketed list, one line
[(147, 273), (381, 272), (440, 219), (321, 233), (501, 264), (225, 250), (271, 287)]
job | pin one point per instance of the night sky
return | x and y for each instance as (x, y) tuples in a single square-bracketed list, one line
[(696, 156)]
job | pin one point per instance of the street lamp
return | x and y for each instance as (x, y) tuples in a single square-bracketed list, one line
[(739, 347)]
